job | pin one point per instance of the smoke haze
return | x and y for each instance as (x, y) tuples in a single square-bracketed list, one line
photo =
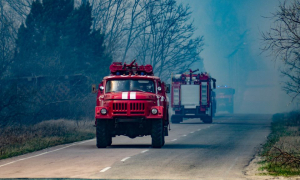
[(232, 53)]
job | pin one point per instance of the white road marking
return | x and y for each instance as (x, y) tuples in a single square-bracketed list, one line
[(198, 129), (192, 132), (45, 153), (174, 139), (125, 159), (105, 169), (234, 162), (144, 151), (184, 135), (236, 159)]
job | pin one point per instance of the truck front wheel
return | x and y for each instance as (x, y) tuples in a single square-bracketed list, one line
[(101, 133), (157, 133)]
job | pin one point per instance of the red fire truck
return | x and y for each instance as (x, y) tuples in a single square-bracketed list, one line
[(131, 102), (224, 97), (192, 97)]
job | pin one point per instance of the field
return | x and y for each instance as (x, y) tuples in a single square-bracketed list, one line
[(24, 139)]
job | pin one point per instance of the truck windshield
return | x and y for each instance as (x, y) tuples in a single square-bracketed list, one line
[(130, 85)]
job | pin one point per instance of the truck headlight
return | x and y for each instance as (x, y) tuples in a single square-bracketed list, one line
[(103, 111), (154, 111)]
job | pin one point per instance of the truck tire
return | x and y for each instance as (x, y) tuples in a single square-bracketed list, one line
[(101, 133), (214, 111), (109, 141), (157, 133), (175, 120), (180, 119), (163, 137), (208, 119)]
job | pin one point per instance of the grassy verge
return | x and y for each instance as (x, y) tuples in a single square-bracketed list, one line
[(281, 153), (20, 140)]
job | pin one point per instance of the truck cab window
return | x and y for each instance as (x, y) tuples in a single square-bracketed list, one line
[(130, 85)]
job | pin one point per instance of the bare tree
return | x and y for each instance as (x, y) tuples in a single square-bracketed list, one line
[(138, 22), (283, 41), (160, 33), (19, 8), (110, 19), (168, 42)]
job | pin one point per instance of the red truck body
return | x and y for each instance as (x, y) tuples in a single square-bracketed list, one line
[(192, 97), (224, 99), (131, 102)]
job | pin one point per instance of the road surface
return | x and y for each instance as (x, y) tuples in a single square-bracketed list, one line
[(193, 150)]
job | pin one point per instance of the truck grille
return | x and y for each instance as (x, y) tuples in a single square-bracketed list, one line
[(133, 108), (137, 106), (119, 106)]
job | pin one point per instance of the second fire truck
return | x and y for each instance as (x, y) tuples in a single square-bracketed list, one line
[(192, 97)]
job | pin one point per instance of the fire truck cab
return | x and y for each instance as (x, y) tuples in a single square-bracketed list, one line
[(192, 97), (131, 102)]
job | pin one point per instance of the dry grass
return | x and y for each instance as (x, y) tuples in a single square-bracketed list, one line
[(23, 139), (282, 151)]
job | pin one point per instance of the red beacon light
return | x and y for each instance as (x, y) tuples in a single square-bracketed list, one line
[(117, 68)]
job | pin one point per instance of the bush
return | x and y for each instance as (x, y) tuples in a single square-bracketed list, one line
[(282, 150)]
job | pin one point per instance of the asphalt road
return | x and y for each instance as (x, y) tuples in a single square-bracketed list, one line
[(193, 150)]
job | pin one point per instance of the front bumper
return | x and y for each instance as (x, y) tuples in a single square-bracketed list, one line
[(125, 112), (190, 113)]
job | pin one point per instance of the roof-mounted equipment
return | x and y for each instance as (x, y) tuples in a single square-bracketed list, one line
[(130, 69)]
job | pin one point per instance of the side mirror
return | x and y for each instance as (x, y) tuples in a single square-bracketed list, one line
[(94, 89), (214, 83), (168, 87)]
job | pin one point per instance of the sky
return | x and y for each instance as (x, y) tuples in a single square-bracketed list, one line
[(232, 53)]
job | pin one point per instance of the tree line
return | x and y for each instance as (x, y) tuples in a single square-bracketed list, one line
[(70, 33), (56, 39)]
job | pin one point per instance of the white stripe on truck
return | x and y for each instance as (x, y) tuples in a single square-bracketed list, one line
[(124, 95), (132, 95)]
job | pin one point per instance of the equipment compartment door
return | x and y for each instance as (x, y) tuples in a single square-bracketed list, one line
[(190, 96)]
